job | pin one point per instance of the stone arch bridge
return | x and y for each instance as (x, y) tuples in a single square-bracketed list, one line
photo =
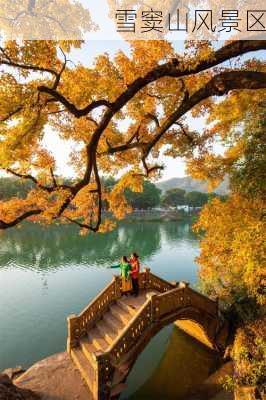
[(105, 339)]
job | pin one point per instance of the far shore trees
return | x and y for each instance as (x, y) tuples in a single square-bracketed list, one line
[(145, 200), (173, 198)]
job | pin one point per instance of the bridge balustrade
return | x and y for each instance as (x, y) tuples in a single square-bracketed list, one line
[(165, 302)]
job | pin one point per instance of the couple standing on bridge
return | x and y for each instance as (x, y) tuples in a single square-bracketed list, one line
[(130, 274)]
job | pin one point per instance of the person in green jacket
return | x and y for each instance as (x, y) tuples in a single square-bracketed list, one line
[(125, 268)]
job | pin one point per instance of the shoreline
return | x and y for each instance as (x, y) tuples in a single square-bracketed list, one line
[(56, 377), (44, 380), (160, 216)]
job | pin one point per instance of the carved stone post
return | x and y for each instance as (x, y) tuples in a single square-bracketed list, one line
[(103, 377), (185, 298), (71, 332), (155, 307), (183, 285), (117, 286), (147, 278)]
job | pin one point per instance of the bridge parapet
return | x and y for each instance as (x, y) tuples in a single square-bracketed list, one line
[(154, 310), (165, 303), (79, 325), (132, 333), (156, 283)]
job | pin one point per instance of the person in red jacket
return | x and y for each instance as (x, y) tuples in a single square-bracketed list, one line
[(135, 268)]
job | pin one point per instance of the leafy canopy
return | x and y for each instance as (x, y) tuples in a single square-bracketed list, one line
[(232, 259), (149, 91)]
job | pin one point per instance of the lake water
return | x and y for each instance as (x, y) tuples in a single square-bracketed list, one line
[(47, 273)]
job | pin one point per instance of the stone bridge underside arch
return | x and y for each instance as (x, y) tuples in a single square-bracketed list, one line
[(214, 336)]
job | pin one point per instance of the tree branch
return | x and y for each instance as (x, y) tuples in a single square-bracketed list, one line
[(98, 191), (170, 69), (184, 132), (28, 177), (53, 177), (35, 181), (149, 170), (153, 118), (58, 77), (9, 62), (16, 221), (11, 114), (78, 113), (92, 120), (219, 85)]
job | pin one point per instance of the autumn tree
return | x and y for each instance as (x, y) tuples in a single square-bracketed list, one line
[(232, 257), (153, 88)]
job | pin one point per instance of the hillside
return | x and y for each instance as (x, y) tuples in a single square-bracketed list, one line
[(189, 185)]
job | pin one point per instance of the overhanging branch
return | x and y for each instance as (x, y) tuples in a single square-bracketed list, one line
[(18, 220), (219, 85)]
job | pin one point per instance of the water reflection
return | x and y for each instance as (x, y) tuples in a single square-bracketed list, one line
[(184, 365), (49, 273), (173, 232), (49, 248), (52, 247)]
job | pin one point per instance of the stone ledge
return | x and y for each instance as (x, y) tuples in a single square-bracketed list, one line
[(54, 378)]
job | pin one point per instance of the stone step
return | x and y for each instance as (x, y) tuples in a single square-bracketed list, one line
[(113, 322), (97, 340), (88, 349), (127, 307), (106, 331), (84, 366), (120, 314)]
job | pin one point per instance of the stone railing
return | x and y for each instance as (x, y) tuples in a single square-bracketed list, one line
[(78, 325), (166, 303), (163, 304), (180, 297), (154, 282), (129, 337), (156, 308), (202, 302), (171, 297), (145, 316)]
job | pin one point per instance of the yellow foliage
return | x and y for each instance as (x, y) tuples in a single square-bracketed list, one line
[(40, 92), (233, 250), (249, 353)]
